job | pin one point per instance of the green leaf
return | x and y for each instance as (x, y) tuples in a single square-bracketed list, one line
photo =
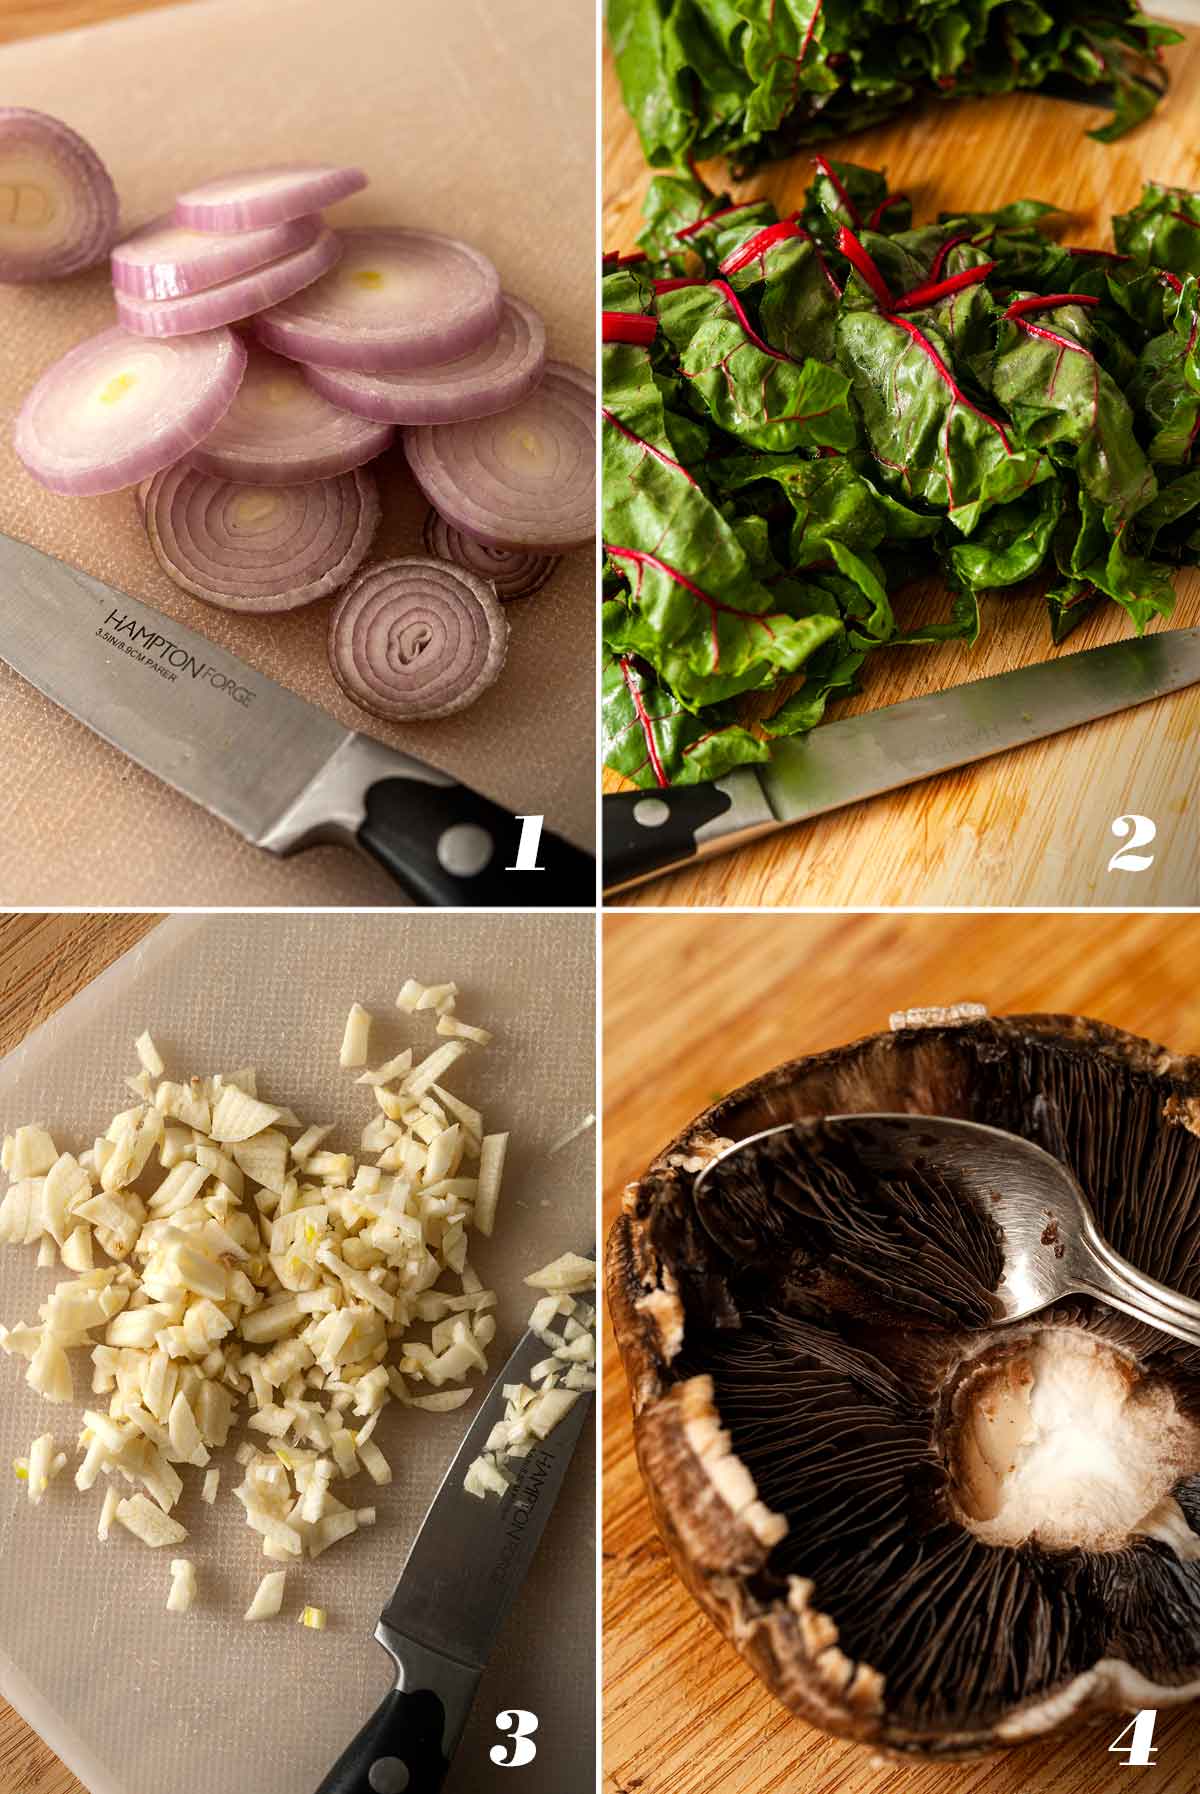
[(934, 444), (648, 735)]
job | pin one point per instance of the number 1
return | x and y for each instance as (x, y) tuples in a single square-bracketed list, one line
[(527, 846)]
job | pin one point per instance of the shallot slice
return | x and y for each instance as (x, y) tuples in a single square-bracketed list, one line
[(512, 572), (259, 548), (490, 378), (259, 196), (165, 260), (524, 478), (58, 206), (117, 408), (231, 299), (279, 432), (398, 299), (415, 639)]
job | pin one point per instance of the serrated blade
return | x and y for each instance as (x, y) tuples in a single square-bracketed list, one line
[(862, 756), (469, 1559), (190, 713)]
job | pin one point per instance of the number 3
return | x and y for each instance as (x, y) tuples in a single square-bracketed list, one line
[(1126, 859), (520, 1725)]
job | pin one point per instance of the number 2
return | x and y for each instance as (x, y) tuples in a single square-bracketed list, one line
[(1126, 859), (519, 1725), (1140, 1749)]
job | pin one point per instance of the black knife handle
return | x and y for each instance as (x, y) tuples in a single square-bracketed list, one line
[(651, 831), (452, 848), (400, 1750)]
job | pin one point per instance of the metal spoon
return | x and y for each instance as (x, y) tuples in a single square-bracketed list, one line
[(1052, 1245)]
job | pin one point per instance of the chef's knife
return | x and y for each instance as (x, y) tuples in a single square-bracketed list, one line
[(277, 769), (650, 832), (461, 1577)]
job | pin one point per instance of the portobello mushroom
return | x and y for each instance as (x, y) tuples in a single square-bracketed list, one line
[(923, 1529)]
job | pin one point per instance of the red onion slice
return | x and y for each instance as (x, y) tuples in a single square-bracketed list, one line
[(232, 299), (165, 260), (59, 210), (512, 573), (278, 432), (259, 196), (525, 478), (259, 548), (398, 299), (415, 639), (490, 378), (117, 408)]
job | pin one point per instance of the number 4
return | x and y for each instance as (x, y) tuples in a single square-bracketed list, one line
[(1140, 1749)]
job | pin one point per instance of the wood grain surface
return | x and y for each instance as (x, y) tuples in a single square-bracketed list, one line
[(693, 1006), (1029, 828), (34, 18), (44, 961)]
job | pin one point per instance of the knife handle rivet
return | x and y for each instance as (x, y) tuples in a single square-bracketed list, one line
[(388, 1775), (464, 849), (651, 812)]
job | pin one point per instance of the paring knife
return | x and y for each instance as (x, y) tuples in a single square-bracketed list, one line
[(462, 1575), (650, 832), (277, 769)]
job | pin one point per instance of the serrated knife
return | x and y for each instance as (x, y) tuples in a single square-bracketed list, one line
[(463, 1573), (650, 832), (277, 769)]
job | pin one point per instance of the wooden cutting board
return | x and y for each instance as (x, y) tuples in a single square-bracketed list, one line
[(693, 1006), (1030, 827)]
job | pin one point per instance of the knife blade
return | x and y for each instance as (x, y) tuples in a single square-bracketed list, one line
[(462, 1574), (277, 769), (650, 832)]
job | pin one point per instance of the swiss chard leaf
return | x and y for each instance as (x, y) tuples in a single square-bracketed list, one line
[(1059, 398), (1162, 230), (934, 444), (648, 735), (754, 392)]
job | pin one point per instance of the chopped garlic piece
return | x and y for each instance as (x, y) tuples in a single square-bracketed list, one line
[(313, 1618), (149, 1055), (492, 1151), (569, 1273), (268, 1596), (183, 1586), (212, 1482), (146, 1522), (356, 1037), (108, 1513)]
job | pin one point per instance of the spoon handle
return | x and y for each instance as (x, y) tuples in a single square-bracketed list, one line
[(1115, 1281)]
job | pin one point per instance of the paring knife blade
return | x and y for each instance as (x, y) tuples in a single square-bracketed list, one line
[(277, 769), (650, 832), (462, 1574)]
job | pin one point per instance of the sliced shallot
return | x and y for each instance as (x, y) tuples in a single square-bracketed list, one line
[(490, 378), (259, 196), (525, 478), (279, 432), (58, 206), (397, 299), (513, 572), (259, 548), (231, 299), (415, 639), (117, 408), (165, 260)]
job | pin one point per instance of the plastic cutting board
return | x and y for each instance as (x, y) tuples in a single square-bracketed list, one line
[(138, 1701)]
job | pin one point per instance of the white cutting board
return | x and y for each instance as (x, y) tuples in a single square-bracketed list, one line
[(137, 1701)]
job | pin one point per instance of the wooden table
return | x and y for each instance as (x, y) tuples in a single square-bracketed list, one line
[(44, 961), (1030, 827), (34, 18), (693, 1006)]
